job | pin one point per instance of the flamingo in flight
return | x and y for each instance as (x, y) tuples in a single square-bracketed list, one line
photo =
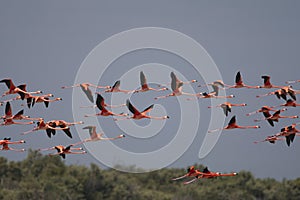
[(6, 141), (272, 139), (239, 83), (191, 172), (85, 88), (275, 117), (219, 83), (8, 117), (176, 86), (281, 93), (62, 124), (180, 81), (227, 107), (116, 88), (145, 87), (208, 174), (62, 151), (262, 109), (42, 125), (141, 115), (94, 136), (12, 89), (290, 103), (104, 112), (25, 95), (214, 94), (42, 99), (289, 132), (232, 125), (267, 83), (19, 116)]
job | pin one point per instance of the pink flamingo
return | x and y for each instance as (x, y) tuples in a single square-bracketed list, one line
[(62, 151), (104, 112), (140, 115), (227, 106), (116, 88), (239, 83), (145, 87), (6, 141), (85, 88), (275, 117), (94, 136), (232, 125), (8, 117), (176, 86), (267, 83)]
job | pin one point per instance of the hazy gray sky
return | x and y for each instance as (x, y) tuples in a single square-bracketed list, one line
[(44, 43)]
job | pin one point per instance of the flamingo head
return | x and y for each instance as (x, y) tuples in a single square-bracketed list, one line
[(257, 126), (22, 141), (58, 99), (121, 136)]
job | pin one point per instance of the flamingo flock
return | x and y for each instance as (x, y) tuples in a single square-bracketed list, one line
[(271, 114)]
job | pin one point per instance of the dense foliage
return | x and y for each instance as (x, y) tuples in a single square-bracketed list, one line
[(44, 177)]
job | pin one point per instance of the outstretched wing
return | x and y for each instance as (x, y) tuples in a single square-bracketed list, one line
[(8, 83), (8, 111), (87, 92), (92, 131), (116, 85), (232, 120), (148, 109), (238, 78), (143, 79), (100, 102), (132, 109), (266, 79)]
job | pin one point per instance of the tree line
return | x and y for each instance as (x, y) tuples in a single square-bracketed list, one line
[(44, 177)]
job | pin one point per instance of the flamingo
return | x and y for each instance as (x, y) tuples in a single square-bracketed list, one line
[(208, 174), (275, 117), (116, 88), (191, 172), (62, 124), (272, 139), (85, 88), (140, 115), (42, 125), (176, 86), (232, 125), (104, 112), (281, 93), (20, 116), (180, 81), (25, 96), (289, 132), (12, 89), (8, 117), (62, 151), (6, 141), (267, 83), (218, 83), (262, 109), (227, 107), (42, 99), (94, 136), (290, 103), (145, 87), (239, 82)]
